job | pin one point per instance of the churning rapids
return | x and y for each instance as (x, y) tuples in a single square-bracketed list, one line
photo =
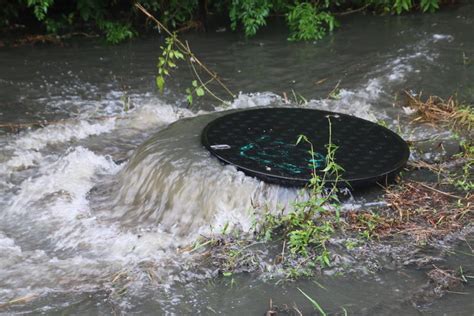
[(106, 191)]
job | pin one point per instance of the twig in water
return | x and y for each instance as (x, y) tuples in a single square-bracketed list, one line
[(295, 307), (353, 11), (211, 309), (19, 300), (203, 84), (285, 98), (283, 251), (420, 164), (446, 273), (321, 81), (333, 94), (454, 292), (469, 245)]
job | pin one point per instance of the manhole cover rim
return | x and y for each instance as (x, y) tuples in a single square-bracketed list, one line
[(298, 181)]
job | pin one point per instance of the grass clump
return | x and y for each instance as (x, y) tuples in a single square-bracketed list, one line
[(459, 118), (307, 229), (449, 112)]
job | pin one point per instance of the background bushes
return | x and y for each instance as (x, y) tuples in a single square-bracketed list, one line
[(117, 20)]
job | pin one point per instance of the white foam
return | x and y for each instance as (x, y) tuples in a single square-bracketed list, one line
[(399, 72), (26, 147), (442, 37), (354, 102), (23, 159), (153, 114), (61, 133), (10, 252), (71, 175), (248, 100)]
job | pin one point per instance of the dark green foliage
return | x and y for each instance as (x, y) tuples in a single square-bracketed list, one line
[(429, 5), (9, 12), (402, 5), (306, 22), (58, 16), (117, 20), (90, 9), (40, 7), (407, 5), (116, 32), (251, 14), (173, 13)]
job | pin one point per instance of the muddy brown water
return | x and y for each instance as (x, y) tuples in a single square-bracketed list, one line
[(93, 207)]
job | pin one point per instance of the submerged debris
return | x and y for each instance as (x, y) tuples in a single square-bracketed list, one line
[(424, 211), (436, 110), (440, 281)]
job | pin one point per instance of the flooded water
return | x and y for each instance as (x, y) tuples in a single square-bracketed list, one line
[(94, 206)]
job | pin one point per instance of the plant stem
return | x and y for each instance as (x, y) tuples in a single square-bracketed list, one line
[(186, 49)]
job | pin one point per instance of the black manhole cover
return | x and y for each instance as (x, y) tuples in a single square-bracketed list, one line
[(262, 143)]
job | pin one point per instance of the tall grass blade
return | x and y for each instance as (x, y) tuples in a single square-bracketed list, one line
[(315, 304)]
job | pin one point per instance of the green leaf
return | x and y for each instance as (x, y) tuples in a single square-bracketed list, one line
[(199, 92), (194, 83), (161, 61), (429, 5), (303, 137), (326, 260), (300, 137), (190, 99), (160, 83)]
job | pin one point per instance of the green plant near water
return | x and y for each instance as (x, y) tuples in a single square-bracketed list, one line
[(175, 50), (116, 32), (167, 61), (369, 223), (464, 180), (170, 55), (307, 229), (459, 118)]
